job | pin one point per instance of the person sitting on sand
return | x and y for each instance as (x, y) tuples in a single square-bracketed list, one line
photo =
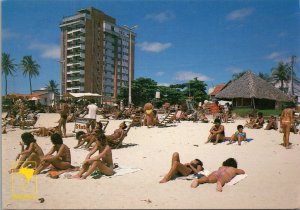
[(239, 135), (272, 123), (117, 136), (286, 121), (259, 123), (90, 138), (217, 132), (203, 118), (103, 161), (223, 175), (60, 161), (186, 169), (32, 154), (251, 122)]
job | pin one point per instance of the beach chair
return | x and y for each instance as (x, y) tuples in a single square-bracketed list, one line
[(104, 124), (119, 144), (168, 118), (137, 119)]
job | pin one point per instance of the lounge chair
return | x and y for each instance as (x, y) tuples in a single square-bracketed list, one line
[(117, 145), (168, 118)]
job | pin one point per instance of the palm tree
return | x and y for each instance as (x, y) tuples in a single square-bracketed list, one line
[(53, 88), (30, 68), (8, 67), (281, 73)]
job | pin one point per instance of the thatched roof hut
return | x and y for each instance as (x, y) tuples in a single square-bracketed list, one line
[(252, 89)]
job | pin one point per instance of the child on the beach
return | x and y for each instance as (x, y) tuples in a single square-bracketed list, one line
[(250, 123), (223, 175), (60, 161), (31, 154), (239, 135), (103, 161)]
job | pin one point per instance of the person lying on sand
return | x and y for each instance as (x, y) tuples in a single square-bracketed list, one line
[(32, 154), (43, 131), (216, 132), (103, 161), (223, 175), (60, 161), (239, 135), (186, 169)]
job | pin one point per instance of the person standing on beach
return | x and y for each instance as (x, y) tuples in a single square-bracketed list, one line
[(216, 132), (92, 115), (149, 115), (186, 169), (63, 118), (286, 120)]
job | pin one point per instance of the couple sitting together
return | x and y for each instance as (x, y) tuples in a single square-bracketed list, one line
[(223, 175)]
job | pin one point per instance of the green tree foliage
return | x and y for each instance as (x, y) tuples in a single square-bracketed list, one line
[(235, 76), (143, 91), (8, 68), (281, 74), (30, 68), (53, 87)]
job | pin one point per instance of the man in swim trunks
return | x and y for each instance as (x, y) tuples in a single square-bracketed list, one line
[(192, 167), (286, 120), (222, 176)]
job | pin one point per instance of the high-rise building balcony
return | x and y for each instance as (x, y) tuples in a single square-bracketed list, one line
[(81, 46), (79, 88), (72, 23), (76, 38), (82, 30), (74, 55), (75, 71), (80, 63)]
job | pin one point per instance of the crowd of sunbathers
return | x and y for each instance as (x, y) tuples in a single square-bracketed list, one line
[(94, 140)]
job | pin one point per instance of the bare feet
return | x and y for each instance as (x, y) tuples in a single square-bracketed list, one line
[(219, 186), (13, 171), (195, 183), (74, 177), (163, 181), (228, 143)]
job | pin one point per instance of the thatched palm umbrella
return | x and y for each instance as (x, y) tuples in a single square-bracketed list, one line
[(252, 87)]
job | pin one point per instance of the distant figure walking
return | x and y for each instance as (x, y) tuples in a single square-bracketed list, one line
[(92, 107), (286, 121)]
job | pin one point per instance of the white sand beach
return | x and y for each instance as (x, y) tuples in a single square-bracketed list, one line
[(272, 182)]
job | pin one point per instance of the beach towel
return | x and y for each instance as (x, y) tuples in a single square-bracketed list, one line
[(234, 181), (54, 173), (236, 142), (119, 171)]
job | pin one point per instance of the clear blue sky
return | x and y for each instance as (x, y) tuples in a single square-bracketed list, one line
[(176, 40)]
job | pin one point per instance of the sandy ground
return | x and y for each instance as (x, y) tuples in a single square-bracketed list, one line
[(272, 182)]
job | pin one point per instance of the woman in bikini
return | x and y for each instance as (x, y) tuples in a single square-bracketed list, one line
[(31, 155), (223, 175), (192, 167), (103, 161), (216, 132), (286, 121), (62, 159)]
